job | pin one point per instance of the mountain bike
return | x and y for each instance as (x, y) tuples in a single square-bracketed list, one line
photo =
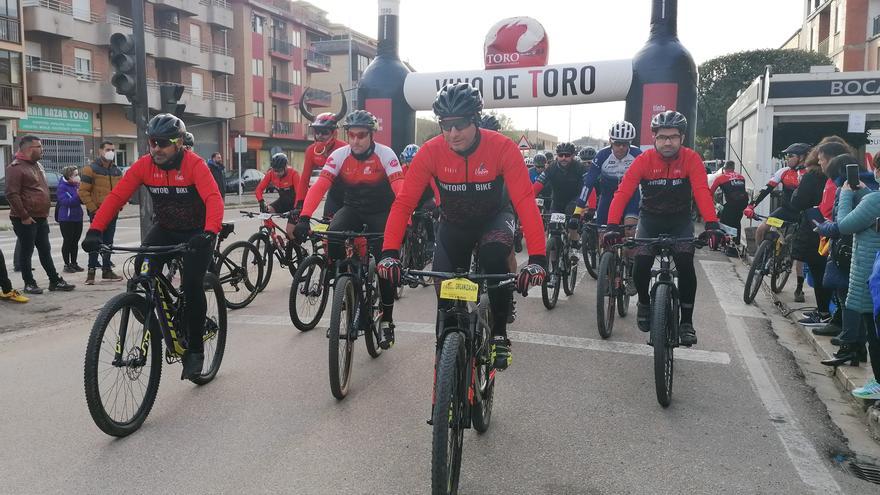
[(273, 245), (464, 380), (311, 284), (563, 267), (665, 310), (415, 249), (615, 273), (123, 361), (356, 309), (590, 247), (773, 257)]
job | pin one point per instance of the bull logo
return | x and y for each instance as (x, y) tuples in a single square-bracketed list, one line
[(516, 42)]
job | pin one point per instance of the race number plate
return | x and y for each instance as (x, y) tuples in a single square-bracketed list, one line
[(557, 217), (265, 216), (145, 267), (539, 201), (320, 227), (775, 222), (459, 289)]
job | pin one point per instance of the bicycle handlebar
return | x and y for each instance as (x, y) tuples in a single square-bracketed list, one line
[(645, 241), (176, 248), (348, 234)]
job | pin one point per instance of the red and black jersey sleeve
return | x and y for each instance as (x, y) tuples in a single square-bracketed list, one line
[(264, 183)]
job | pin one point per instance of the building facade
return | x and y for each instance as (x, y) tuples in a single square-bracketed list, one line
[(848, 31), (73, 107), (350, 53), (13, 95)]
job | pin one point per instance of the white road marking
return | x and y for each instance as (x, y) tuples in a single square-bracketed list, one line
[(523, 337), (803, 455)]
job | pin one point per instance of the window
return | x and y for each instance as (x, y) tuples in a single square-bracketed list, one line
[(295, 39), (34, 52), (11, 90), (275, 112), (195, 34), (362, 63), (82, 10), (82, 63), (257, 23), (295, 116), (9, 25), (59, 152), (258, 67), (836, 25), (258, 109), (198, 84), (296, 78), (9, 8)]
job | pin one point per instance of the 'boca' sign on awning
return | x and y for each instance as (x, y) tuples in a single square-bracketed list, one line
[(824, 88)]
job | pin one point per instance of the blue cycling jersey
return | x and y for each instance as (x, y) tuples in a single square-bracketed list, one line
[(608, 170)]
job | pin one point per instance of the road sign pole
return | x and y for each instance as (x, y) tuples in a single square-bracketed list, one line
[(140, 107), (239, 145)]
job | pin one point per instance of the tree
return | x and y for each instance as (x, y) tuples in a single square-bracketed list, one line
[(722, 77), (426, 129), (504, 121)]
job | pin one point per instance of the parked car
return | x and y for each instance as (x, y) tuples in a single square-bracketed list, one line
[(250, 179), (52, 179)]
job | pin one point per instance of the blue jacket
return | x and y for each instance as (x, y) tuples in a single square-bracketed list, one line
[(860, 221), (69, 207)]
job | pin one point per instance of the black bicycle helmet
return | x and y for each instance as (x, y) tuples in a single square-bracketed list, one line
[(565, 148), (458, 100), (587, 154), (669, 119), (189, 139), (165, 125), (548, 155), (279, 161), (799, 149), (489, 122), (539, 159), (361, 118)]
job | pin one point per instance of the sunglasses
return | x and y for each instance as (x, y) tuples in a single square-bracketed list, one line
[(620, 143), (789, 155), (358, 134), (322, 132), (162, 142), (458, 124), (563, 155)]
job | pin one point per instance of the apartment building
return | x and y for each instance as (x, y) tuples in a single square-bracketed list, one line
[(350, 53), (12, 80), (848, 31), (71, 104)]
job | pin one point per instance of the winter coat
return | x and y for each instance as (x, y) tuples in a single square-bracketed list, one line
[(860, 222), (69, 207), (217, 170), (26, 189), (97, 182), (808, 194)]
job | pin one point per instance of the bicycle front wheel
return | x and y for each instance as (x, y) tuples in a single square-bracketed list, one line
[(569, 281), (550, 295), (121, 387), (663, 319), (624, 268), (605, 294), (267, 252), (240, 269), (756, 272), (483, 373), (590, 249), (308, 293), (340, 336), (214, 331), (448, 416)]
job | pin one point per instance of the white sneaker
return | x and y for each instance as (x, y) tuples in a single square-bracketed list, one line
[(871, 390)]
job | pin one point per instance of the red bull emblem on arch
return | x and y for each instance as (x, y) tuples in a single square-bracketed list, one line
[(516, 42)]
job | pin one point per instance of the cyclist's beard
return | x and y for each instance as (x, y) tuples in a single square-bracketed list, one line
[(173, 162), (321, 147)]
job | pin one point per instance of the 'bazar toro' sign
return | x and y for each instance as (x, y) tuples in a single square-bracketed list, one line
[(42, 118)]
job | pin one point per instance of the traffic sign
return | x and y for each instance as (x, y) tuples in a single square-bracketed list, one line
[(524, 143)]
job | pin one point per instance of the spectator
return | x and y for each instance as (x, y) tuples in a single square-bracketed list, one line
[(98, 179), (69, 215), (7, 293), (28, 194), (218, 171)]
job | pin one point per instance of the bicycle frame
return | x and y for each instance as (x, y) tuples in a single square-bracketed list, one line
[(360, 269)]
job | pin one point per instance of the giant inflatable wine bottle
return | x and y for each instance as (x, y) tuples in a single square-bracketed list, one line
[(380, 90), (664, 76)]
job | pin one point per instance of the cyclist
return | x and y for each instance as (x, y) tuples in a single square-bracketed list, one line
[(370, 177), (733, 186), (475, 170), (430, 199), (324, 130), (789, 176), (189, 141), (539, 163), (188, 209), (670, 176), (587, 156), (284, 179)]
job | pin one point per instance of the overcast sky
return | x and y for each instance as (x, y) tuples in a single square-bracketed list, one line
[(438, 36)]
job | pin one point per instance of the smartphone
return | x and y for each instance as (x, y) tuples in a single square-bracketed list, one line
[(852, 175), (877, 224)]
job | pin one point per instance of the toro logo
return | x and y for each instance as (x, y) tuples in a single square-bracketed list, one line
[(516, 42), (481, 170)]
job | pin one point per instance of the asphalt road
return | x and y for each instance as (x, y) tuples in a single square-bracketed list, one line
[(574, 414)]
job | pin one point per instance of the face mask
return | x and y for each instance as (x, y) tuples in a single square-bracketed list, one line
[(74, 179), (109, 155)]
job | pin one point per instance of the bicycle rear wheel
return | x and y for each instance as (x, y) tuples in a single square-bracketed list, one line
[(120, 394), (589, 248), (605, 294), (267, 252), (239, 268), (339, 336), (308, 293), (550, 295), (371, 335), (569, 280), (483, 373), (624, 267), (214, 332), (780, 269), (447, 418), (406, 259), (756, 272), (662, 335)]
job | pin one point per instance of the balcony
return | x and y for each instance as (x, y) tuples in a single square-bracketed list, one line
[(55, 80), (286, 130), (876, 30), (198, 101), (11, 97), (317, 97), (281, 89), (317, 61), (823, 46), (281, 49), (188, 7), (10, 30), (217, 12)]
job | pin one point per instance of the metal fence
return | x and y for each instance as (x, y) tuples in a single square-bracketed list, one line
[(59, 152)]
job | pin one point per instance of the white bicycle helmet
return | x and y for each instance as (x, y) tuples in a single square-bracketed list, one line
[(622, 131)]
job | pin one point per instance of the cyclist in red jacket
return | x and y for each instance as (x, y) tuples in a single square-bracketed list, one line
[(188, 209), (323, 128), (284, 179), (670, 176), (479, 173)]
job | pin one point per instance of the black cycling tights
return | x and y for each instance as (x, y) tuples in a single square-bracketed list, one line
[(687, 281), (192, 276)]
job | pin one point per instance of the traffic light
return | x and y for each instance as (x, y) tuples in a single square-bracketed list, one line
[(169, 95), (122, 58)]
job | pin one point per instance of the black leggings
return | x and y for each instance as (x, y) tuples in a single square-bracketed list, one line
[(731, 215), (349, 218), (192, 276), (495, 240), (687, 281), (70, 233), (5, 283)]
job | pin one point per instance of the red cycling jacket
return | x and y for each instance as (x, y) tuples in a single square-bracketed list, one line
[(826, 207), (316, 155), (369, 185), (286, 186), (733, 185), (473, 188), (667, 186), (184, 198)]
